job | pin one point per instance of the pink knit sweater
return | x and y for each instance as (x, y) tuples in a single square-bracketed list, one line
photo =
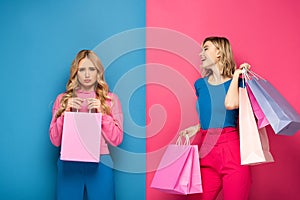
[(112, 125)]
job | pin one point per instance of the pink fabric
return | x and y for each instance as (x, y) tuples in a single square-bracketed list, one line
[(221, 168), (84, 95), (112, 125)]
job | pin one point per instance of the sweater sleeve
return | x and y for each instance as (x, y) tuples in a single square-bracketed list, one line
[(56, 124), (112, 125)]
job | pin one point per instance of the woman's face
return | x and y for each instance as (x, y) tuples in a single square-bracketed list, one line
[(87, 74), (209, 55)]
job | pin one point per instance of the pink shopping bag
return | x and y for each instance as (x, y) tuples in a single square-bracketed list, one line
[(179, 170), (81, 137), (252, 142), (262, 121), (265, 144), (195, 181)]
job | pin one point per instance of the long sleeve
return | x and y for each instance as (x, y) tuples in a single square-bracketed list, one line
[(112, 125), (56, 125)]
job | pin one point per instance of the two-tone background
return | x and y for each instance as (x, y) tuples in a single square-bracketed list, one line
[(150, 52)]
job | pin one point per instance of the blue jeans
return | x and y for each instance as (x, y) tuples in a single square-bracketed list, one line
[(74, 177)]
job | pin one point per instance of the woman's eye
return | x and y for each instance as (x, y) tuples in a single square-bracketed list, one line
[(92, 69), (81, 70)]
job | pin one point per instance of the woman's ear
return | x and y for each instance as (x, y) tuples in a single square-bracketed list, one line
[(218, 53)]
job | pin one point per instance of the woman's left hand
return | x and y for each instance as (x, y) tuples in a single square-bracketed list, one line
[(94, 103)]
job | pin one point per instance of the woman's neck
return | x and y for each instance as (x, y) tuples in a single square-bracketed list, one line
[(217, 78), (87, 90)]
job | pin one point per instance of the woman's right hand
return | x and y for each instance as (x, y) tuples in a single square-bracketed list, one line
[(74, 103), (245, 66), (190, 131)]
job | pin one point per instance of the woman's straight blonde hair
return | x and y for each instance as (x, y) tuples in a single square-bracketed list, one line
[(226, 60)]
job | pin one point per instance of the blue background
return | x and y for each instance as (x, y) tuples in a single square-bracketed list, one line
[(39, 39)]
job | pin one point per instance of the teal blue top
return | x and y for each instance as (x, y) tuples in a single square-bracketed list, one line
[(210, 105)]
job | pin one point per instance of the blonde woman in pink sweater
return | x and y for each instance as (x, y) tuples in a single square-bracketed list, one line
[(87, 80)]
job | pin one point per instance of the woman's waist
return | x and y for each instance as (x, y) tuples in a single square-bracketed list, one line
[(223, 130), (216, 135)]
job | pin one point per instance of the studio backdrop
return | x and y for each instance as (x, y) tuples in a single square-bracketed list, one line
[(150, 51)]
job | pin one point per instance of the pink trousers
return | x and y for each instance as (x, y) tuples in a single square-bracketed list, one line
[(220, 165)]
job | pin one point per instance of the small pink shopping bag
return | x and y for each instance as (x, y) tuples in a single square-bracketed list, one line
[(81, 137), (179, 171)]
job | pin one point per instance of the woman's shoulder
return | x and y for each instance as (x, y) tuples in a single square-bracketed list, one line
[(113, 96), (114, 100), (199, 82), (58, 100), (60, 96)]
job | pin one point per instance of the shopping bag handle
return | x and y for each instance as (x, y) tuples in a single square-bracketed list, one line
[(186, 142), (74, 95), (248, 72), (89, 110)]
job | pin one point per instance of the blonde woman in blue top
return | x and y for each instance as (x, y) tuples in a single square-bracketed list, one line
[(217, 134)]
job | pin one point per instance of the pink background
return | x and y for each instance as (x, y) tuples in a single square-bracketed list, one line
[(263, 33)]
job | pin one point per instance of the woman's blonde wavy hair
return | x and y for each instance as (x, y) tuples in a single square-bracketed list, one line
[(226, 56), (101, 87)]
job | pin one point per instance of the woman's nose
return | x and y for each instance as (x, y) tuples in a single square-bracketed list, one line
[(201, 53)]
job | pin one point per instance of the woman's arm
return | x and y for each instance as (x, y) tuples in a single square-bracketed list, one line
[(112, 125), (56, 124), (232, 96), (191, 131)]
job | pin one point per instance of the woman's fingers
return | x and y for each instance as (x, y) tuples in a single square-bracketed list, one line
[(183, 132), (246, 66), (74, 103), (94, 103)]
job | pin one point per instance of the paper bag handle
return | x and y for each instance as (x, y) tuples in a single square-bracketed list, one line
[(89, 110), (186, 142)]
